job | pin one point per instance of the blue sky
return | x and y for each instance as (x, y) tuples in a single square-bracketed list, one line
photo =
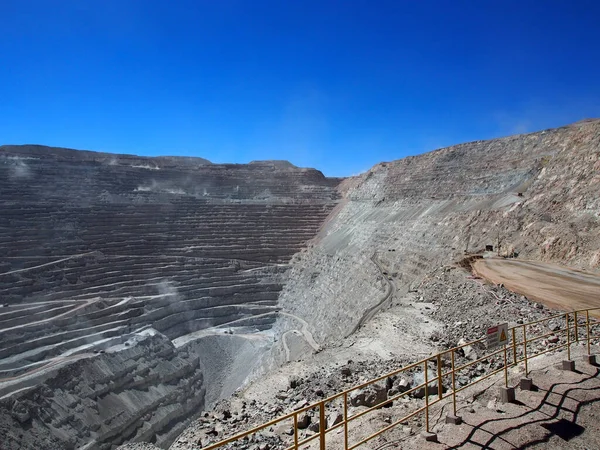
[(336, 85)]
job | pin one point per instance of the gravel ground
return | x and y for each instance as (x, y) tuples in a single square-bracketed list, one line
[(430, 318)]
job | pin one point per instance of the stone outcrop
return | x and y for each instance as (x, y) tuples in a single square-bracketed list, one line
[(138, 392)]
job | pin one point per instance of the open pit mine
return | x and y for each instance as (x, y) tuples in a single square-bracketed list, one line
[(136, 292)]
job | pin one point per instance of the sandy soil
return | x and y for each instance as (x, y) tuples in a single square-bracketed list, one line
[(555, 286)]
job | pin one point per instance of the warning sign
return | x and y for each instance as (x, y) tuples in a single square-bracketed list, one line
[(497, 335)]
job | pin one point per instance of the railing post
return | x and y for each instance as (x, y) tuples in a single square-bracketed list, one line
[(576, 328), (591, 358), (514, 346), (345, 420), (525, 349), (505, 368), (569, 364), (587, 321), (322, 425), (453, 382), (295, 431), (507, 395), (426, 396), (568, 337), (439, 373)]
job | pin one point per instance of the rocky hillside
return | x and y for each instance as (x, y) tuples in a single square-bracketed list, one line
[(135, 291), (190, 261), (388, 281), (536, 195)]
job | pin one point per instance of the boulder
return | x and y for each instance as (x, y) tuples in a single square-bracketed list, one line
[(295, 382), (389, 382), (335, 418), (303, 421), (315, 426), (300, 404), (432, 387), (468, 350), (375, 395), (372, 395), (554, 325), (357, 398), (401, 385)]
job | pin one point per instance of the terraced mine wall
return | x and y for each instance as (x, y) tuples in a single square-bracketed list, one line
[(535, 194), (135, 291)]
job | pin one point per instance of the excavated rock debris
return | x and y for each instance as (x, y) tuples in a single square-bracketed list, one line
[(448, 291)]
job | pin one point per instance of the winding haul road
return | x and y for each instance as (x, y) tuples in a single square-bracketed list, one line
[(303, 331), (308, 337), (49, 364), (51, 263), (388, 295), (555, 286)]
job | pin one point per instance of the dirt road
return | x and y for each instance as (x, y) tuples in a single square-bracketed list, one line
[(51, 362), (388, 295), (555, 286), (308, 337)]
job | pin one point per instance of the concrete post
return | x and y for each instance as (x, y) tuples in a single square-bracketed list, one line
[(507, 394), (454, 420), (526, 384)]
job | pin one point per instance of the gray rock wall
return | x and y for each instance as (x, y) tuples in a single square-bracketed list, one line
[(134, 291), (538, 193), (135, 392)]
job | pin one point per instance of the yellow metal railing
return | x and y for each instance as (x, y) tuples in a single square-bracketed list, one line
[(517, 350)]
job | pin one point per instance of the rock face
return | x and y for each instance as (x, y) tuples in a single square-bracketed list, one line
[(136, 290), (535, 194), (136, 393), (195, 255)]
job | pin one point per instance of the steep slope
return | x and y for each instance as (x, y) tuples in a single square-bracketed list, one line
[(385, 284), (535, 194), (121, 276)]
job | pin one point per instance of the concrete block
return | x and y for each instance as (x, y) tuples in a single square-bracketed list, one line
[(454, 420), (507, 394), (429, 437), (526, 384), (568, 364), (592, 360)]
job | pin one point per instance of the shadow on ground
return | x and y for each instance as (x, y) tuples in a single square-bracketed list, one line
[(553, 423)]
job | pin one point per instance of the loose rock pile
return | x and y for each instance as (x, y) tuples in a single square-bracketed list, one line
[(451, 291)]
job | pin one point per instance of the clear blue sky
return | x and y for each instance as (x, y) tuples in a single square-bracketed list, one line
[(336, 85)]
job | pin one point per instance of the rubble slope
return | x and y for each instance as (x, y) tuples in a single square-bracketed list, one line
[(535, 195), (388, 279)]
